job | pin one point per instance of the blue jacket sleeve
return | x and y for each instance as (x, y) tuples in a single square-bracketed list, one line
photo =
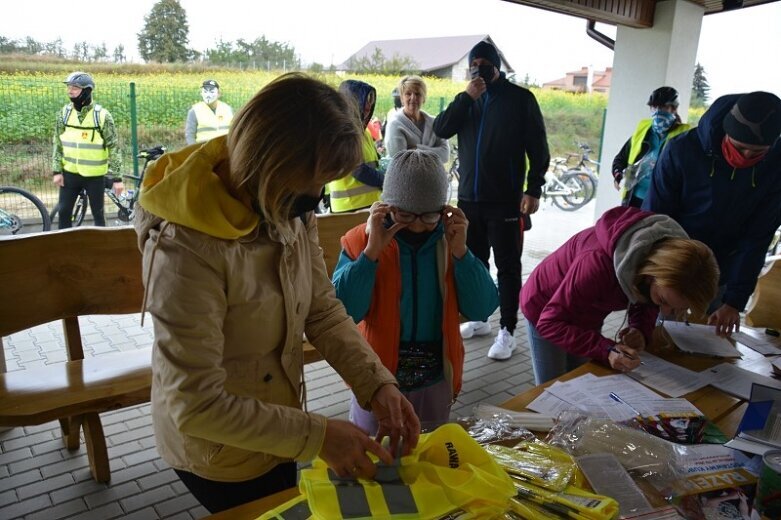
[(369, 176), (354, 283), (743, 268), (477, 294), (664, 192)]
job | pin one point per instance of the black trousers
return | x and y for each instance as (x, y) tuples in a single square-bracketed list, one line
[(74, 183), (498, 227), (218, 496)]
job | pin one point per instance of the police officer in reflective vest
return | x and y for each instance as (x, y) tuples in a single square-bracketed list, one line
[(208, 118), (85, 150)]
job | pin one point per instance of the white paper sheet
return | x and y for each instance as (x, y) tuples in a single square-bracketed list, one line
[(668, 378), (769, 347), (700, 339), (736, 381)]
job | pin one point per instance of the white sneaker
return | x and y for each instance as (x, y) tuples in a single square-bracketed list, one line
[(503, 346), (475, 328)]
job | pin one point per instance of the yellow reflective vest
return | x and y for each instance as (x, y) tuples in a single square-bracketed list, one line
[(212, 123), (83, 149), (350, 194), (448, 472), (636, 143)]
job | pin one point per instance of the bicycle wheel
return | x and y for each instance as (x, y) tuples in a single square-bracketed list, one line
[(589, 184), (577, 196), (79, 209), (22, 212), (453, 179)]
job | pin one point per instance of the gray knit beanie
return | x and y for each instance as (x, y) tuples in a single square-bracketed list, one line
[(416, 181)]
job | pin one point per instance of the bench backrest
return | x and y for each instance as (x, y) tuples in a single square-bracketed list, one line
[(65, 274), (331, 228)]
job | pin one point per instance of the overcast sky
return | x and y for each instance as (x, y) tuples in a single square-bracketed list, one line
[(738, 49)]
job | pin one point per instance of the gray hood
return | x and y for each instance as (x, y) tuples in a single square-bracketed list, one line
[(634, 245)]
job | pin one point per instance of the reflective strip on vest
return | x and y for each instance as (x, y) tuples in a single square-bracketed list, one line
[(83, 149), (353, 497), (299, 511), (211, 123)]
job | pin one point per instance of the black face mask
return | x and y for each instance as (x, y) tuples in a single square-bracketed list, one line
[(485, 71), (305, 203), (83, 99)]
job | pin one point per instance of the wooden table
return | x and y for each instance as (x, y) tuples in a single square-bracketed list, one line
[(724, 410)]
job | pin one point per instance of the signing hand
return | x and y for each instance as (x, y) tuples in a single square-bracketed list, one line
[(529, 205), (396, 419), (455, 230), (624, 358), (476, 87), (632, 338), (726, 318), (344, 449), (379, 235)]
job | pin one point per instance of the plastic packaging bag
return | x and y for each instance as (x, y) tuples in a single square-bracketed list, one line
[(645, 457), (496, 427), (537, 463)]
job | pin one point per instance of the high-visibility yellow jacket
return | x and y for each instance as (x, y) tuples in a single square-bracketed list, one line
[(212, 123), (348, 193), (447, 472), (636, 142), (83, 149)]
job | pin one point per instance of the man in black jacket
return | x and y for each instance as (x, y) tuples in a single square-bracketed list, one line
[(499, 127)]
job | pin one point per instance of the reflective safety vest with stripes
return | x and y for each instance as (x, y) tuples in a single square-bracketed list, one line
[(212, 123), (636, 143), (448, 473), (83, 149), (348, 193)]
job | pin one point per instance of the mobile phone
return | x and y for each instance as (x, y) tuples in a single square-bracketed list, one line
[(387, 221)]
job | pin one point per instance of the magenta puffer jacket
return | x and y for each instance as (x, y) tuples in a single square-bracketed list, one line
[(569, 295)]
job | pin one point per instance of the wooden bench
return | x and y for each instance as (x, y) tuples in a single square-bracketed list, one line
[(66, 274), (60, 276)]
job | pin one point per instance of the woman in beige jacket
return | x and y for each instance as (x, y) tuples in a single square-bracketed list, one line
[(234, 278)]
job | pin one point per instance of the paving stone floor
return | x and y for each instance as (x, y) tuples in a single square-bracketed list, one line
[(40, 479)]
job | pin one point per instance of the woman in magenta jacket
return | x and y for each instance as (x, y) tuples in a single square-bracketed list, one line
[(631, 259)]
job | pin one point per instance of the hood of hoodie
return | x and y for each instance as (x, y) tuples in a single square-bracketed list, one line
[(710, 129), (360, 92), (183, 187), (628, 234)]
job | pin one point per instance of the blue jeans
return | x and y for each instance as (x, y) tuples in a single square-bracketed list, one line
[(549, 361)]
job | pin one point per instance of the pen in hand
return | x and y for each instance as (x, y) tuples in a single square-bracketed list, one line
[(622, 353)]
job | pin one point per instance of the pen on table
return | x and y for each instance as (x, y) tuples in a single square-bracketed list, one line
[(614, 397), (622, 353)]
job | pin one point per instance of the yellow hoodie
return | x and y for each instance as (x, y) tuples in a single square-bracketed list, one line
[(183, 187)]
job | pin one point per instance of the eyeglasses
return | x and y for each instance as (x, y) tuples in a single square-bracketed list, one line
[(407, 217)]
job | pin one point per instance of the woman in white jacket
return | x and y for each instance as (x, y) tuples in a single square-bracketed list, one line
[(413, 128)]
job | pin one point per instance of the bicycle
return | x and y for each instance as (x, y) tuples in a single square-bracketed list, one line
[(125, 203), (21, 212), (569, 191), (586, 166), (453, 175)]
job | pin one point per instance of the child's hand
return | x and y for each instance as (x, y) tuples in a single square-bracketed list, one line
[(379, 235), (455, 230)]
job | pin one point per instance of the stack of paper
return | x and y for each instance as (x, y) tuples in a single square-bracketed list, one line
[(591, 395), (767, 346), (668, 378), (700, 339), (737, 381)]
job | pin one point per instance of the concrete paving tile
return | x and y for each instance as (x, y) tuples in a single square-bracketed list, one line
[(151, 497), (131, 435), (44, 486), (19, 509), (79, 490), (107, 512), (11, 433), (12, 456), (7, 497), (148, 513), (132, 472), (28, 440), (112, 493), (177, 505), (199, 512), (70, 464), (141, 456), (67, 509), (158, 479), (35, 462)]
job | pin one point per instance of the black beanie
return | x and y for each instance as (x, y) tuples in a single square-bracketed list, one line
[(486, 51), (755, 119)]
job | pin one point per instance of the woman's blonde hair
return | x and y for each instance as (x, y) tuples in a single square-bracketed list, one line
[(687, 266), (295, 132), (416, 82)]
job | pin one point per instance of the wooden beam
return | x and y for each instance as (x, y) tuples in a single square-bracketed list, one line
[(630, 13)]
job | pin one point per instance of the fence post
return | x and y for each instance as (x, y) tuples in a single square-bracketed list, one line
[(134, 129), (442, 104)]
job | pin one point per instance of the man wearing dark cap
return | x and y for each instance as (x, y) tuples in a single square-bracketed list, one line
[(722, 182), (499, 128), (209, 118)]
